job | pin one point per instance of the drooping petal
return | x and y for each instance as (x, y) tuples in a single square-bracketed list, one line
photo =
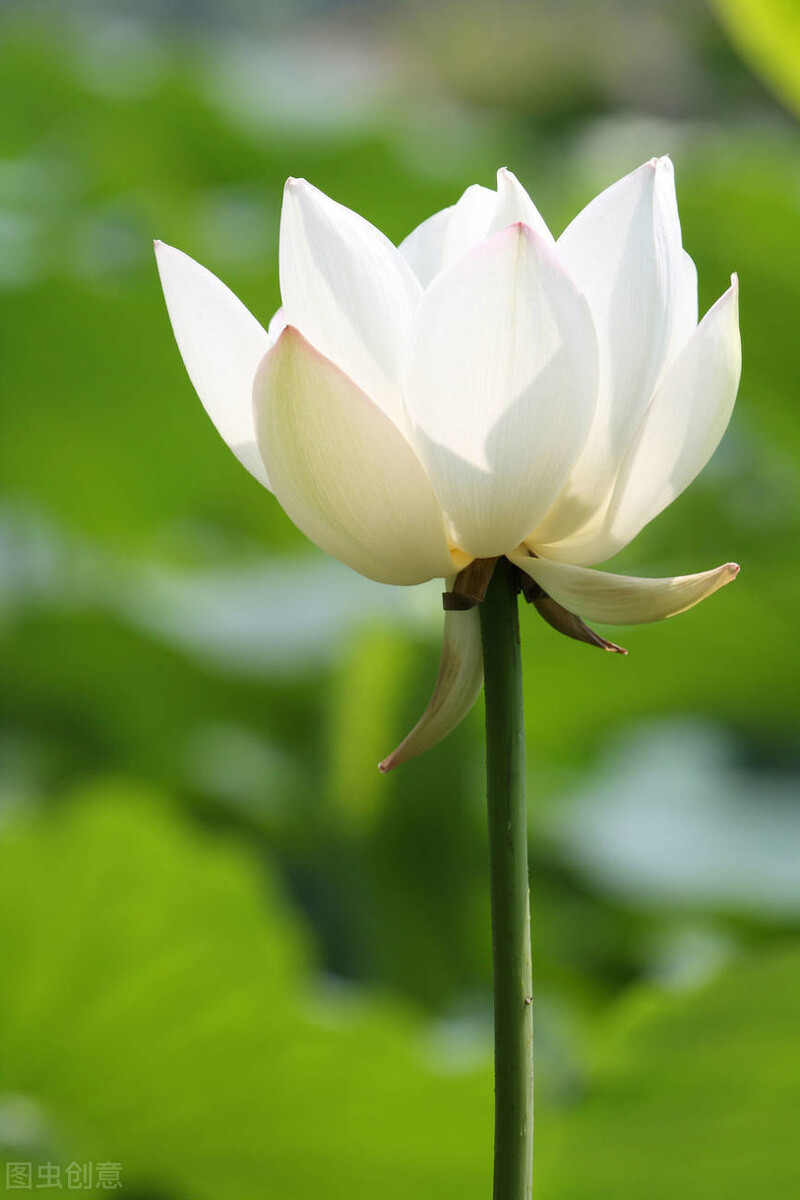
[(514, 204), (501, 387), (449, 234), (624, 252), (221, 344), (622, 599), (457, 686), (342, 470), (348, 290)]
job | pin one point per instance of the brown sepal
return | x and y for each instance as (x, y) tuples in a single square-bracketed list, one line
[(470, 586), (561, 619)]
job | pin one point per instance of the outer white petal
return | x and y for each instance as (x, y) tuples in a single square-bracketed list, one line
[(624, 252), (221, 344), (622, 599), (514, 204), (685, 320), (347, 289), (457, 686), (342, 470), (675, 439), (501, 387), (449, 234), (682, 428)]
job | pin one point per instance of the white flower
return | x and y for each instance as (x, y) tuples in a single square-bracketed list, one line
[(482, 390)]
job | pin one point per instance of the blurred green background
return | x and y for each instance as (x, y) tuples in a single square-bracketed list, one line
[(234, 960)]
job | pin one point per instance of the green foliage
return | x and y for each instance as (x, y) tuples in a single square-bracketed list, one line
[(158, 1009), (767, 32), (694, 1096)]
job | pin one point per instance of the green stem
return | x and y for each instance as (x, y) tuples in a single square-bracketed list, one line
[(508, 867)]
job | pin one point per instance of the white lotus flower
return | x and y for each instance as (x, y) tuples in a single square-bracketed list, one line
[(480, 390)]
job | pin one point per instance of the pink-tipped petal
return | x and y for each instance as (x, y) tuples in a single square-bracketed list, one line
[(343, 471), (514, 204)]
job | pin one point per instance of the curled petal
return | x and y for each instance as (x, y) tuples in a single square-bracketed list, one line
[(501, 387), (457, 686), (221, 344), (348, 290), (343, 471), (622, 599)]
